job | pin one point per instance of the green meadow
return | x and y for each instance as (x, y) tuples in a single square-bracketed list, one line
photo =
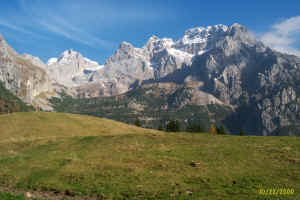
[(66, 156)]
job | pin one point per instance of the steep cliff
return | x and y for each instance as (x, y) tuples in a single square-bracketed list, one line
[(20, 75)]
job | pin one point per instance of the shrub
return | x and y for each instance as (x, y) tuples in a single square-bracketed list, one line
[(221, 130), (138, 123), (160, 127), (173, 126), (194, 128)]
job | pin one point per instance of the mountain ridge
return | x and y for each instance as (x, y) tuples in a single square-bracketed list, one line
[(226, 65)]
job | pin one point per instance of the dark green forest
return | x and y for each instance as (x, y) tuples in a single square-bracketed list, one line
[(155, 109)]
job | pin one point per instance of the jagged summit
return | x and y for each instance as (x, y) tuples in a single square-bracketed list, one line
[(153, 38), (68, 56), (69, 52), (71, 68), (206, 30), (125, 44), (237, 25), (65, 55), (161, 56)]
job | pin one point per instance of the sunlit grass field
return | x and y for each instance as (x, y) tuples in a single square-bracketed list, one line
[(65, 156)]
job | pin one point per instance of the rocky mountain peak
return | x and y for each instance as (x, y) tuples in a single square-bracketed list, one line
[(125, 51), (126, 46), (153, 38), (202, 34), (156, 44), (241, 33), (150, 43), (71, 68), (69, 52), (237, 25), (69, 55)]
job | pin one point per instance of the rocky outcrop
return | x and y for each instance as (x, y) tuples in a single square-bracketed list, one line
[(34, 60), (20, 75)]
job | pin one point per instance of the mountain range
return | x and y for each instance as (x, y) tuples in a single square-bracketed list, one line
[(220, 73)]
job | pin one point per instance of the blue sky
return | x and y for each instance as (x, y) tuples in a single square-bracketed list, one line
[(45, 28)]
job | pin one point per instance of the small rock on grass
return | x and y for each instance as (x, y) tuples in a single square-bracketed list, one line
[(28, 195)]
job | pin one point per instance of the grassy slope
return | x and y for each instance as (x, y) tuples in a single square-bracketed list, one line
[(34, 125), (117, 161)]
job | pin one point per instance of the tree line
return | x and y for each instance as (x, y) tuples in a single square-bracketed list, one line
[(174, 126)]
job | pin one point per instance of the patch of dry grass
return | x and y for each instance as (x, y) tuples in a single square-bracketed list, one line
[(37, 125)]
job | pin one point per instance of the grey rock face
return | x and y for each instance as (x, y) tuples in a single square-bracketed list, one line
[(162, 57), (130, 65), (20, 75), (243, 72), (34, 60), (198, 40), (156, 60)]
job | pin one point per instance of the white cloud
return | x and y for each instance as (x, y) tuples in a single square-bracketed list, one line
[(12, 27), (289, 26), (284, 35), (63, 20), (79, 21), (19, 29), (61, 27), (60, 31)]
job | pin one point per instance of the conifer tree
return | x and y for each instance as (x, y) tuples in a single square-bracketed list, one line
[(173, 126), (221, 130), (138, 123), (242, 132)]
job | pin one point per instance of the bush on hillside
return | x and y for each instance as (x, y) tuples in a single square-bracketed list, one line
[(221, 130), (194, 128), (138, 123), (160, 127), (173, 126)]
